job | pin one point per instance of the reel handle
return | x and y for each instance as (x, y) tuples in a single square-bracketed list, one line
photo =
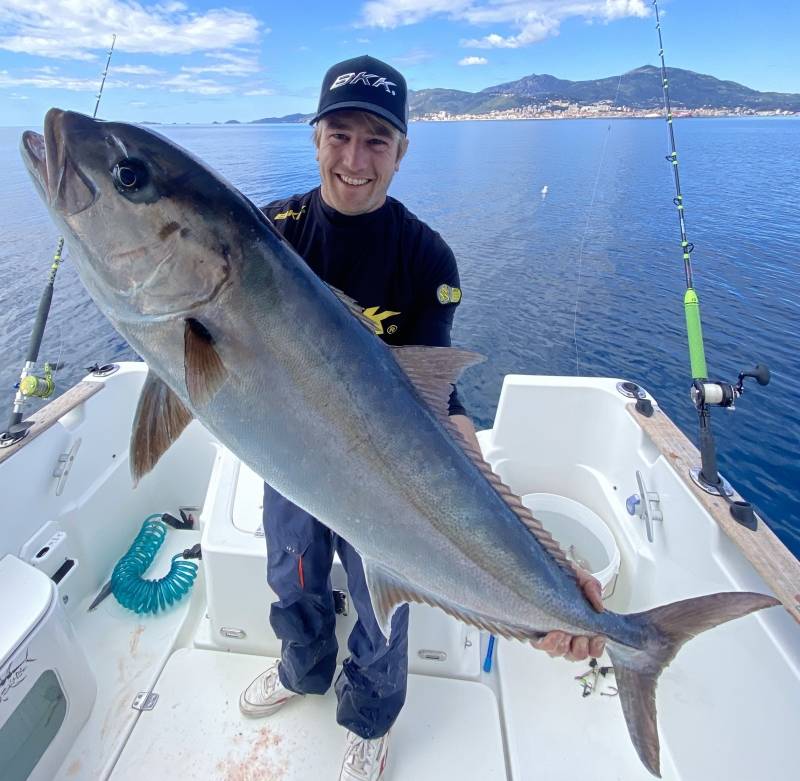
[(760, 373)]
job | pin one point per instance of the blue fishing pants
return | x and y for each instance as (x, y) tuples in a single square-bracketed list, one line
[(371, 687)]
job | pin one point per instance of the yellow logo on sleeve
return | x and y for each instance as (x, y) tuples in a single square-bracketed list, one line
[(448, 295)]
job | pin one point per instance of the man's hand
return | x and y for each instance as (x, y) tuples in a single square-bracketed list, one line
[(577, 647)]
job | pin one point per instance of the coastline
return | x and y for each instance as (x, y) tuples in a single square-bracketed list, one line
[(590, 113)]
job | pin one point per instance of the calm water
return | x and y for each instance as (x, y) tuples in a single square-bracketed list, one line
[(522, 267)]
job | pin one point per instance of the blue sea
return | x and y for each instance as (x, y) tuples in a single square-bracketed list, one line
[(588, 279)]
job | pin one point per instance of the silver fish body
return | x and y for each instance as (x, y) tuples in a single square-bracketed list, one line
[(201, 285)]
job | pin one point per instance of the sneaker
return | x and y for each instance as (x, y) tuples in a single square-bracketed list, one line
[(364, 760), (265, 694)]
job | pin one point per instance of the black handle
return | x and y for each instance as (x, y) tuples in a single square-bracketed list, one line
[(760, 373)]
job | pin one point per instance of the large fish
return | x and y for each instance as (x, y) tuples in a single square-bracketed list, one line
[(239, 333)]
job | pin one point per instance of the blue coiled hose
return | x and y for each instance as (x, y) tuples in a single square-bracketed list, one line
[(149, 596)]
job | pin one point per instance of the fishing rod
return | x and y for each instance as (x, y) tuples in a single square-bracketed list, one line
[(704, 393), (30, 385)]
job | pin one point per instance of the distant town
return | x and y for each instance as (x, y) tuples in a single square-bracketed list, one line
[(563, 110)]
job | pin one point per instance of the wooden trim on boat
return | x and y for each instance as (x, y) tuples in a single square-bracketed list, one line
[(768, 555), (51, 413)]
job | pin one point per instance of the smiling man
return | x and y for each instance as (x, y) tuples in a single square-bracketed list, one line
[(404, 276)]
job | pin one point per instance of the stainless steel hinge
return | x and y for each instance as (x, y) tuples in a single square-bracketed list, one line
[(64, 464), (144, 701)]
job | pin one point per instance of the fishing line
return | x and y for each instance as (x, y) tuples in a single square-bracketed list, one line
[(586, 231)]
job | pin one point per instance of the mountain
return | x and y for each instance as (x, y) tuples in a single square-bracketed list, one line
[(637, 89), (287, 118)]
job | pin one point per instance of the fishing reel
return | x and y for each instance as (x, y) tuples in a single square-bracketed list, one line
[(722, 394), (706, 394), (38, 387), (30, 386)]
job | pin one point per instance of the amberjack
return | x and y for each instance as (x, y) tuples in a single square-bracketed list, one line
[(285, 371)]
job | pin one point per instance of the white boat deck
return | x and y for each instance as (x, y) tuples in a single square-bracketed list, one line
[(196, 729), (727, 705), (127, 653)]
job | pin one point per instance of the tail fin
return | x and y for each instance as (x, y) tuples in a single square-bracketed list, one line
[(637, 670)]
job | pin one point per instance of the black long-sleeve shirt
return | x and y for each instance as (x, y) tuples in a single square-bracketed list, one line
[(398, 269)]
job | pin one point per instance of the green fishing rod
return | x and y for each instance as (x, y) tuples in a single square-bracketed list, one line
[(705, 393), (30, 385)]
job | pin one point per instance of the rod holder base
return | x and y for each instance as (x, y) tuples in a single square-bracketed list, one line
[(744, 514), (14, 434), (723, 488)]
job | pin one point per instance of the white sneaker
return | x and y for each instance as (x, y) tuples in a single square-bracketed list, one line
[(265, 694), (364, 760)]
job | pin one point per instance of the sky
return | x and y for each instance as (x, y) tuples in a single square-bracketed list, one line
[(231, 59)]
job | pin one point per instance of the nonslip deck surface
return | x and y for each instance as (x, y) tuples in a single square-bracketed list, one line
[(448, 729)]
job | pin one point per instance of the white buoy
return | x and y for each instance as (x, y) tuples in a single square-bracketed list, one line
[(544, 191)]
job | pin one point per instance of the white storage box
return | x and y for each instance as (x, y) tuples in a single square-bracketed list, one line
[(47, 689), (235, 565)]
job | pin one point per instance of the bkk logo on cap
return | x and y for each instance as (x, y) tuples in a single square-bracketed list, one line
[(363, 78)]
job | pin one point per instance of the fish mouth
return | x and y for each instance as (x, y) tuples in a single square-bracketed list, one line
[(64, 186), (35, 157)]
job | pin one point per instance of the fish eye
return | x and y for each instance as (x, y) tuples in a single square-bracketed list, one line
[(129, 175)]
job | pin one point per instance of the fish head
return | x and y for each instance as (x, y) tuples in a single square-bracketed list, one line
[(150, 227)]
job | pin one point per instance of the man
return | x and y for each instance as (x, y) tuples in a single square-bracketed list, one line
[(404, 276)]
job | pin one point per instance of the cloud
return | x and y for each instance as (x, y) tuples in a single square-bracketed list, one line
[(183, 82), (414, 57), (230, 65), (396, 13), (529, 21), (261, 91), (46, 81), (136, 70), (69, 29), (473, 61)]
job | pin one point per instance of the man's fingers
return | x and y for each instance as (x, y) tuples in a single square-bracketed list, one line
[(596, 646), (579, 648), (573, 647), (592, 590), (554, 643)]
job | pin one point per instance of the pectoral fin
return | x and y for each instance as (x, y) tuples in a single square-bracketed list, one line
[(204, 371), (160, 418)]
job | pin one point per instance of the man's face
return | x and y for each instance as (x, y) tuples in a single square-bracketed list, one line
[(357, 161)]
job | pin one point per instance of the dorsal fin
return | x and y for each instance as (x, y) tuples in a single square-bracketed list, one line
[(433, 371), (160, 418), (355, 309)]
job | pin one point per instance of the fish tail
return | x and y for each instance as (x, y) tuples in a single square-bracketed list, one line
[(668, 627)]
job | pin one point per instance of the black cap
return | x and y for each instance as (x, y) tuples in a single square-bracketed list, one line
[(365, 84)]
